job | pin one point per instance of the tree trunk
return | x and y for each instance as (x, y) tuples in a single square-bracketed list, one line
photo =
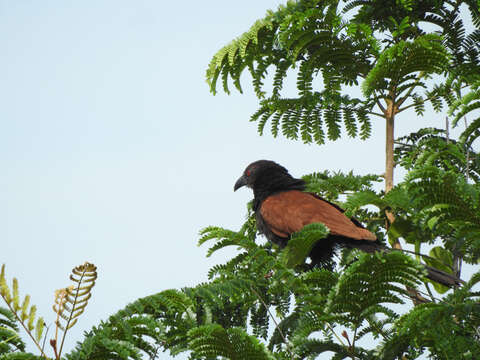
[(389, 161), (390, 112)]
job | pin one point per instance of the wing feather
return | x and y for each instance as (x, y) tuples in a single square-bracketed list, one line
[(290, 211)]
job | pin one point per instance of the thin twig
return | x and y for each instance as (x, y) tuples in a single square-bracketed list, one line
[(414, 85), (447, 129), (273, 319), (403, 144), (467, 170), (372, 323), (420, 102), (377, 114), (335, 334), (420, 292), (418, 254), (353, 341), (45, 337), (379, 104), (429, 291), (457, 258), (415, 103)]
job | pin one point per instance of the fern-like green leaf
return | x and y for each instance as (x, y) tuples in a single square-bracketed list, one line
[(25, 313), (302, 242), (10, 339), (211, 341), (371, 281), (425, 54)]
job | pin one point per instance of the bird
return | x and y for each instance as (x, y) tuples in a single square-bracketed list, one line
[(283, 207)]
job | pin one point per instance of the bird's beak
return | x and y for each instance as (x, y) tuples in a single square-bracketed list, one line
[(242, 181)]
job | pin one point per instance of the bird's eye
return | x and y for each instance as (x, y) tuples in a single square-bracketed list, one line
[(247, 172)]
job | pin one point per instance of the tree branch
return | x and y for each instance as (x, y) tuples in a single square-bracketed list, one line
[(379, 104), (402, 99), (421, 102), (374, 113), (273, 319)]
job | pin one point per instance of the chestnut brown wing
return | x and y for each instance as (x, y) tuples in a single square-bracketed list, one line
[(290, 211)]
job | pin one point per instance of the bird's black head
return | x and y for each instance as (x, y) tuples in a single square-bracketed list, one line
[(266, 177), (258, 170)]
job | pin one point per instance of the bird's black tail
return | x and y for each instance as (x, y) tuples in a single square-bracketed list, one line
[(442, 277), (372, 246)]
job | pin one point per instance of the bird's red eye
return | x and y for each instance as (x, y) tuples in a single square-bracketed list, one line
[(247, 172)]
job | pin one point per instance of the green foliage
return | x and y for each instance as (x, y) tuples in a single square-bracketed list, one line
[(455, 334), (331, 186), (69, 305), (9, 337), (354, 301), (212, 319), (426, 55), (431, 147), (310, 36), (432, 203), (266, 295), (371, 284), (139, 329), (448, 205), (310, 39), (20, 356), (302, 242), (22, 311), (210, 341), (469, 105), (323, 297)]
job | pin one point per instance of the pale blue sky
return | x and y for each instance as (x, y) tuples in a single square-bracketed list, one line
[(113, 151)]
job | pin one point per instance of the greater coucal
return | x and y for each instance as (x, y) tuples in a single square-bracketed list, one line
[(282, 207)]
